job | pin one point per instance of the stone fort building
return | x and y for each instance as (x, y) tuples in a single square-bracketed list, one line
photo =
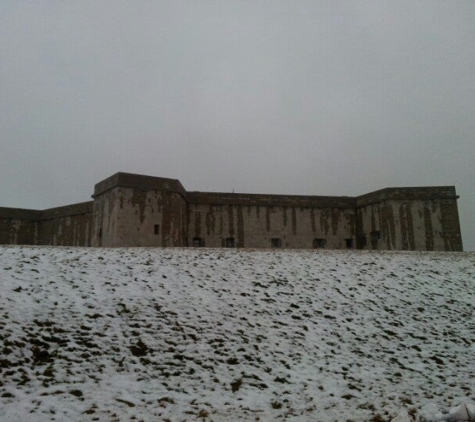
[(135, 210)]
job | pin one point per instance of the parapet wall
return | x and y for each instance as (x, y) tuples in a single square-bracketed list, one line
[(407, 194), (67, 211), (217, 198), (141, 182), (19, 214)]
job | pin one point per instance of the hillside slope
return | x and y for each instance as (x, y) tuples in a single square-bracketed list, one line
[(213, 334)]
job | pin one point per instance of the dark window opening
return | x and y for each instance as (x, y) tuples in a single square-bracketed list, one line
[(349, 243), (230, 242), (319, 243), (198, 242), (156, 229), (276, 242), (375, 236), (100, 233)]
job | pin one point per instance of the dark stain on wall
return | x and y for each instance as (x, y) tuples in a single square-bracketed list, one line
[(268, 219), (284, 216), (388, 226), (210, 220), (197, 224), (240, 227), (173, 212), (294, 221), (351, 223), (231, 220), (312, 219), (139, 199), (450, 226), (373, 220), (404, 229), (407, 226), (360, 234), (324, 220), (410, 226), (335, 218), (187, 224), (429, 232)]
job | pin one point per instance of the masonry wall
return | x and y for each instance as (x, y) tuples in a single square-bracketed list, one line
[(138, 210), (135, 217), (18, 226), (66, 226), (63, 226), (278, 221), (426, 220)]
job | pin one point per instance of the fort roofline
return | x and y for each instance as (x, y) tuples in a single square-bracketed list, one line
[(143, 182), (47, 214), (139, 181), (424, 193)]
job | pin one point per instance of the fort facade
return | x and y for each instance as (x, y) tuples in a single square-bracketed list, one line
[(136, 210)]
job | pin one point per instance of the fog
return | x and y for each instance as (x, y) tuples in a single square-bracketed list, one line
[(304, 97)]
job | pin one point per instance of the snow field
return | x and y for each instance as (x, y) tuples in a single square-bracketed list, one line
[(218, 334)]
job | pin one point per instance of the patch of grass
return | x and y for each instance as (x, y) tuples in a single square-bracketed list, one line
[(236, 385)]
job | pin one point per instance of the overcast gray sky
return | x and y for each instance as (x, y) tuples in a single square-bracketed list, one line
[(298, 97)]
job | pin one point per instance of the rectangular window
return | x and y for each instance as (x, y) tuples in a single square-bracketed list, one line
[(197, 242), (319, 243), (230, 242), (276, 242), (156, 229), (349, 243)]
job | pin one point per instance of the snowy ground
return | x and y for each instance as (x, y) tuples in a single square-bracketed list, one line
[(213, 334)]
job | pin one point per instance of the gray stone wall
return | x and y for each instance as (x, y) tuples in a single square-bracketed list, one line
[(424, 219), (18, 226), (66, 226), (265, 226), (138, 210), (134, 217), (63, 226)]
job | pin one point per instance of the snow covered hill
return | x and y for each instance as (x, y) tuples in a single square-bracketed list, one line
[(213, 334)]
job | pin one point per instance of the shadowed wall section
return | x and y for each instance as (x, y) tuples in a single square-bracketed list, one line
[(18, 226), (63, 226)]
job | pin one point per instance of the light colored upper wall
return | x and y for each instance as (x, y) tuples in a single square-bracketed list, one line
[(128, 217)]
